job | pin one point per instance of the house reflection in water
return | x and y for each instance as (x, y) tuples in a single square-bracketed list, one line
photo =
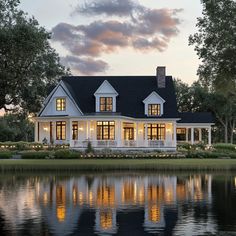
[(151, 200), (61, 202), (105, 220)]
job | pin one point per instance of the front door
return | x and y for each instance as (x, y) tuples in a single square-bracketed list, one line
[(129, 133)]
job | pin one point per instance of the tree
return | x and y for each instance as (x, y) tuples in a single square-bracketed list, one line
[(215, 45), (14, 127), (28, 64)]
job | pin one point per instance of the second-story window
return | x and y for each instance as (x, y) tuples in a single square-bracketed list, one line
[(60, 104), (154, 109), (106, 104)]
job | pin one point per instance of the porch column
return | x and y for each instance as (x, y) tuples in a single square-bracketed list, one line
[(36, 134), (192, 135), (200, 134), (88, 130), (70, 133), (209, 136), (136, 136), (146, 134), (54, 133), (174, 135), (118, 135), (186, 138)]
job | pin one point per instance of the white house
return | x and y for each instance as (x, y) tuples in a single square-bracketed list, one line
[(118, 112)]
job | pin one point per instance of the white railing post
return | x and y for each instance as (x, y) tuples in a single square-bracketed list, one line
[(146, 134), (192, 135), (209, 136), (174, 134)]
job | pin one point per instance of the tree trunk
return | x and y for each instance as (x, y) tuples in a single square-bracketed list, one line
[(232, 127), (226, 130)]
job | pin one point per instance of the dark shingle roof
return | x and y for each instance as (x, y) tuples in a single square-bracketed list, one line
[(132, 91), (196, 117)]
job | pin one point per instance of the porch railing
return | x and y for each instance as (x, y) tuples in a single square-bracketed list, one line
[(130, 143), (95, 143), (124, 143), (156, 143)]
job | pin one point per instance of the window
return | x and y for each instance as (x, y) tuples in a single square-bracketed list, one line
[(105, 130), (154, 109), (128, 133), (181, 134), (60, 130), (105, 103), (60, 104), (74, 130), (156, 131)]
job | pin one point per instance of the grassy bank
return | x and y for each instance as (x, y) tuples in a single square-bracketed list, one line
[(111, 164)]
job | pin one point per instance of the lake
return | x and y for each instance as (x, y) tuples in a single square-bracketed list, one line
[(118, 203)]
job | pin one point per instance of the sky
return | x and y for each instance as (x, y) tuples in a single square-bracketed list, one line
[(121, 37)]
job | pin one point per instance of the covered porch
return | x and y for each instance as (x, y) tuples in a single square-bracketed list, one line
[(102, 133), (194, 133)]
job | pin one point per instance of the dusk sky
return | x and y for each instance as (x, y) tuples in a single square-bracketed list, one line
[(125, 37)]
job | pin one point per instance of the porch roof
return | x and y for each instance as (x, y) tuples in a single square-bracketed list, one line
[(196, 117)]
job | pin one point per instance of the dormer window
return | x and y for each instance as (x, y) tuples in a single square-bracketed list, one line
[(60, 104), (154, 109), (105, 98), (106, 104), (154, 105)]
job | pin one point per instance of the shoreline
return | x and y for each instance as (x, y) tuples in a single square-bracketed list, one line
[(119, 165)]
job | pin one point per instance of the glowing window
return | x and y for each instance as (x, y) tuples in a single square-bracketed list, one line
[(106, 104), (60, 130), (154, 109), (156, 131), (60, 104), (105, 130)]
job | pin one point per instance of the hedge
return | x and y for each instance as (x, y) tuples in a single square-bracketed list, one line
[(35, 155), (5, 155)]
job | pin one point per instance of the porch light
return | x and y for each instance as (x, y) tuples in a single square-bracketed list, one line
[(81, 128), (91, 129), (45, 129), (168, 130), (140, 131)]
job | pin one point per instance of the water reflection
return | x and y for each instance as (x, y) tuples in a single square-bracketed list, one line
[(115, 203)]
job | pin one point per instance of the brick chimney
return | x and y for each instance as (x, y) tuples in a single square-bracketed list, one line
[(161, 76)]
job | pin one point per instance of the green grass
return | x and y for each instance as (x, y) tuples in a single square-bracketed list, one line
[(111, 164)]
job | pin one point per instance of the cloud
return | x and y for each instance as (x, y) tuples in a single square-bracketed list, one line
[(107, 7), (86, 66), (134, 26)]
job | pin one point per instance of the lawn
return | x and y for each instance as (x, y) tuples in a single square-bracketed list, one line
[(111, 164)]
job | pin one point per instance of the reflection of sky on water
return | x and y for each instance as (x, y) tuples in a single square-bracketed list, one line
[(109, 204)]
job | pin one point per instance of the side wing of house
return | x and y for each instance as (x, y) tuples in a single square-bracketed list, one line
[(53, 122), (60, 103)]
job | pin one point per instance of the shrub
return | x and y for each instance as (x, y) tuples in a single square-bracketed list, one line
[(89, 148), (20, 146), (5, 155), (34, 155), (225, 146), (205, 154), (62, 154)]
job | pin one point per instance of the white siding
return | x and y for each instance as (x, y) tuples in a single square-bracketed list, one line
[(106, 90), (153, 98), (50, 109)]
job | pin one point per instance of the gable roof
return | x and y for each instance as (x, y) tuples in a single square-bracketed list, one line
[(196, 117), (132, 91), (153, 94), (103, 86), (48, 99)]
